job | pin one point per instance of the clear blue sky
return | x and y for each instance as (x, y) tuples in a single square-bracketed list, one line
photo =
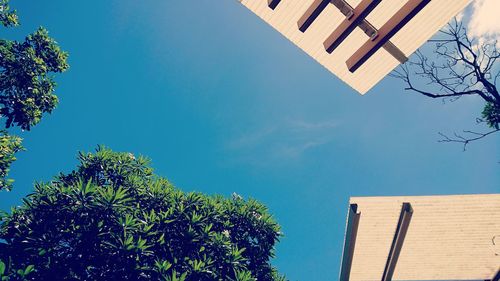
[(222, 103)]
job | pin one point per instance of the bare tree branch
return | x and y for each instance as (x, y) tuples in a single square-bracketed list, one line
[(473, 136), (458, 66)]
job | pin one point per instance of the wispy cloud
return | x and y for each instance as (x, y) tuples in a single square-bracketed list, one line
[(483, 23), (287, 141), (311, 126)]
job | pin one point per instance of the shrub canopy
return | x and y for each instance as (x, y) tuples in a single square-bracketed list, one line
[(113, 219)]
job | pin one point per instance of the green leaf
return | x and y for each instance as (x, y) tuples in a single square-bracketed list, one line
[(28, 269), (2, 268)]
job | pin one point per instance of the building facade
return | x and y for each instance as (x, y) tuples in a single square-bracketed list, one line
[(360, 41), (422, 238)]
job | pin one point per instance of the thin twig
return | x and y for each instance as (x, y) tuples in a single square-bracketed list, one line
[(466, 140)]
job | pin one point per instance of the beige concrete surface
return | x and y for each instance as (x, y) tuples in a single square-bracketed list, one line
[(449, 237), (286, 15)]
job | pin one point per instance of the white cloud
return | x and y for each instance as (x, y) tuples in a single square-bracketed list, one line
[(484, 23), (283, 142)]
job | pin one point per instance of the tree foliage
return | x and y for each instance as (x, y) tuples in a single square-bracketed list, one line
[(9, 146), (458, 66), (26, 84), (8, 18), (113, 219)]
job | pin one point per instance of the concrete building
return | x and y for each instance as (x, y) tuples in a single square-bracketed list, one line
[(422, 238), (360, 41)]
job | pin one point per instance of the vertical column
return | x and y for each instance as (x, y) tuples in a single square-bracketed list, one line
[(397, 242), (497, 276), (385, 33), (273, 3), (349, 242), (311, 14), (351, 21)]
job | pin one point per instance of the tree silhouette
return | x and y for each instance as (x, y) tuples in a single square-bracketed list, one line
[(112, 218), (26, 85), (458, 66)]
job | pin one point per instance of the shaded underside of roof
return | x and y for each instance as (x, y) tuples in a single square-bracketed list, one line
[(287, 13)]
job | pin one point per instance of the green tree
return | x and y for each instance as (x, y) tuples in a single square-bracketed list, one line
[(9, 146), (113, 219), (26, 84), (8, 18)]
